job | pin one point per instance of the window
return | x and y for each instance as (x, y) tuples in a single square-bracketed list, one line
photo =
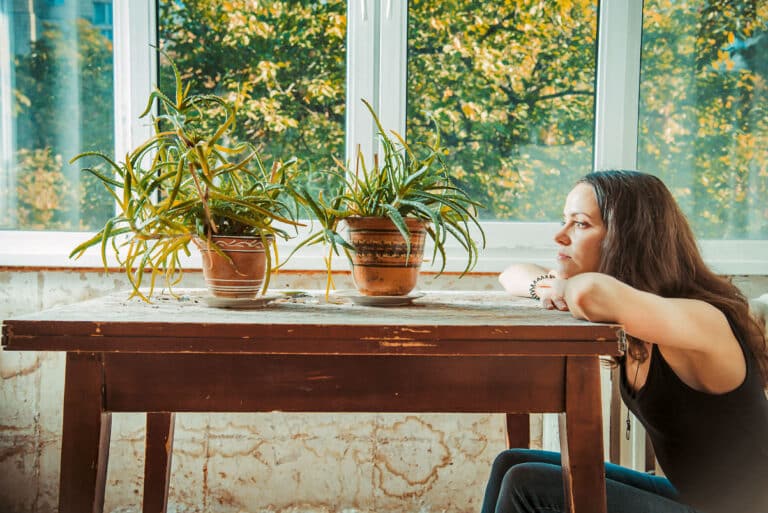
[(57, 101), (528, 94), (703, 104), (285, 61), (511, 85)]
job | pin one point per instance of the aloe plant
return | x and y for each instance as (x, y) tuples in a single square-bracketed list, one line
[(188, 180), (409, 180)]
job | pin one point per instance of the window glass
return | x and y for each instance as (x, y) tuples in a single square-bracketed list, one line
[(102, 13), (284, 60), (56, 100), (703, 104), (102, 18), (511, 85)]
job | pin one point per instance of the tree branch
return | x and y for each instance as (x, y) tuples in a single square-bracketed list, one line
[(567, 92)]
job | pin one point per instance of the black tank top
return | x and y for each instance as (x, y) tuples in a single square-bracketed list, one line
[(712, 448)]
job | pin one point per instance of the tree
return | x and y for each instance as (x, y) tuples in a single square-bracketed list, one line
[(513, 90), (703, 124), (285, 60), (65, 105)]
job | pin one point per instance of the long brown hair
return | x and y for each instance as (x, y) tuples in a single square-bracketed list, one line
[(650, 246)]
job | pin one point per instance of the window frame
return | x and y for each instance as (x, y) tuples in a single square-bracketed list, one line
[(376, 68)]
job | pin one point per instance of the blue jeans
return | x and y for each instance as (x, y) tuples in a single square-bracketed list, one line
[(528, 481)]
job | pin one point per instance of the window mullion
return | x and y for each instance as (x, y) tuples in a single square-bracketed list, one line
[(135, 71), (8, 202), (618, 84), (361, 76), (393, 64)]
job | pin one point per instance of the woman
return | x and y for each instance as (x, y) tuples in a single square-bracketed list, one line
[(695, 370)]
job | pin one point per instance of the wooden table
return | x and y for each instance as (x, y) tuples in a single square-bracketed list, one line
[(448, 352)]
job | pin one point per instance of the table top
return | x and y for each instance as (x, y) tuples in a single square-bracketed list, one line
[(437, 323)]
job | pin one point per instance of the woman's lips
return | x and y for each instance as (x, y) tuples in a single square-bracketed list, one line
[(562, 256)]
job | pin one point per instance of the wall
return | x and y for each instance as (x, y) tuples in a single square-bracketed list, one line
[(285, 463)]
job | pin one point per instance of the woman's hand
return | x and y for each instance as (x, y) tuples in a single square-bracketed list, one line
[(552, 293)]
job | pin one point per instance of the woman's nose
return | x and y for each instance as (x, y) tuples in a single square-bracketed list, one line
[(561, 237)]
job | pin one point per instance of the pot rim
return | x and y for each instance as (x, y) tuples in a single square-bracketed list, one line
[(220, 236), (408, 219)]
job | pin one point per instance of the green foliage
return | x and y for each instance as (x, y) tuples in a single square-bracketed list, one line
[(284, 59), (512, 86), (409, 180), (703, 126), (42, 191), (64, 104), (187, 180)]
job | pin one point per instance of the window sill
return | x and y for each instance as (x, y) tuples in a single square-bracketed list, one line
[(507, 243)]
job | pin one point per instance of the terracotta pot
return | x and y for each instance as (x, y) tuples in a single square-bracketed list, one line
[(240, 277), (379, 267)]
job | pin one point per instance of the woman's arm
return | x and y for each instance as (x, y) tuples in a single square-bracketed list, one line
[(683, 323), (517, 278), (694, 336)]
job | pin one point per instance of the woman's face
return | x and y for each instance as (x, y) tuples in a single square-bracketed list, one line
[(580, 238)]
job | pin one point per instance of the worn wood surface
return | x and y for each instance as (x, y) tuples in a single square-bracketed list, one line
[(85, 436), (312, 383), (446, 323), (157, 461), (518, 430), (583, 468), (448, 352)]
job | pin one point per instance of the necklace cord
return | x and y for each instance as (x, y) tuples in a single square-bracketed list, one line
[(633, 391)]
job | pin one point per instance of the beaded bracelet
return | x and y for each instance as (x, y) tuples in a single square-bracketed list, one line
[(532, 288)]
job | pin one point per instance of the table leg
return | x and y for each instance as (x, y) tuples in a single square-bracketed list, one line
[(581, 438), (518, 431), (85, 436), (157, 461)]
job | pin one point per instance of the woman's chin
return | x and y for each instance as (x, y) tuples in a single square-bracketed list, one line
[(565, 271)]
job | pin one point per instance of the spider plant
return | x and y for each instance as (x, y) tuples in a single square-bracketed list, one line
[(188, 180), (409, 180)]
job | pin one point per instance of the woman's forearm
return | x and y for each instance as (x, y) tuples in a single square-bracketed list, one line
[(517, 278)]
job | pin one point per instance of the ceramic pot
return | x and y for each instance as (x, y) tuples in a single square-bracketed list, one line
[(379, 265), (239, 276)]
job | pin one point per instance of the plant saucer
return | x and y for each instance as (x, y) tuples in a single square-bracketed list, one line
[(363, 300), (238, 303)]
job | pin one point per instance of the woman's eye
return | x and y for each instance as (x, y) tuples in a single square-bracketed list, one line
[(577, 224)]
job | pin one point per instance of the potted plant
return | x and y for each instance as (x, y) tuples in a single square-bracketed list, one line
[(190, 182), (389, 208)]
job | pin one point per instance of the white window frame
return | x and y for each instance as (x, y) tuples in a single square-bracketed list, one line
[(376, 69), (7, 177)]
